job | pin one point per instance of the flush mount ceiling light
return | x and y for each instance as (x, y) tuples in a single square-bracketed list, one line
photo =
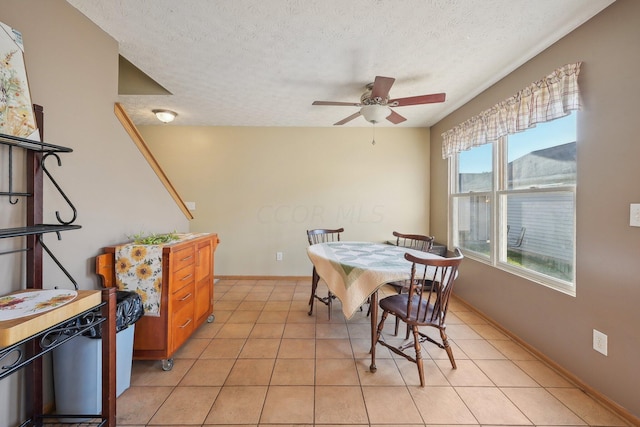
[(165, 116), (375, 113)]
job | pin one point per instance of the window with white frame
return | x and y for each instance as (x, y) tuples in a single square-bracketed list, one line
[(513, 202)]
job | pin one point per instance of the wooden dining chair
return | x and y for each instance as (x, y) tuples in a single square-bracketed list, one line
[(423, 305), (321, 235), (413, 241)]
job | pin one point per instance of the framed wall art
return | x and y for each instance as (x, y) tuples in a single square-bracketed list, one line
[(16, 110)]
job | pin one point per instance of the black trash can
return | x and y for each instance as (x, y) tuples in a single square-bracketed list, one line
[(77, 364)]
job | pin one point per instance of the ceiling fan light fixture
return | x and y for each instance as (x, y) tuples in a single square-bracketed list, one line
[(165, 116), (375, 113)]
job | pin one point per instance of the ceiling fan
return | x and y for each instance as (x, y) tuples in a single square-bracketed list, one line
[(375, 103)]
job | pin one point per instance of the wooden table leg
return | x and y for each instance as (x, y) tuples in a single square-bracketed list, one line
[(374, 319)]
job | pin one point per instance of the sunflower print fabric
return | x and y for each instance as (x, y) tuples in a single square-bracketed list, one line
[(139, 269)]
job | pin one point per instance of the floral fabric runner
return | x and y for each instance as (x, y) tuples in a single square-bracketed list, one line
[(139, 269)]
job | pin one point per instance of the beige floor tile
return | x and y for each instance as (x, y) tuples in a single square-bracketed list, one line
[(462, 332), (361, 348), (267, 330), (138, 404), (237, 405), (224, 308), (251, 305), (441, 405), (293, 372), (243, 316), (359, 330), (251, 372), (208, 372), (432, 374), (260, 348), (280, 295), (332, 330), (333, 349), (264, 362), (586, 408), (383, 405), (512, 350), (223, 348), (479, 349), (387, 373), (208, 330), (261, 296), (299, 316), (288, 404), (297, 348), (299, 330), (233, 295), (277, 306), (235, 330), (467, 374), (489, 332), (490, 406), (192, 349), (186, 405), (468, 318), (339, 404), (150, 373), (437, 353), (336, 372), (541, 407), (273, 317), (505, 373), (542, 374)]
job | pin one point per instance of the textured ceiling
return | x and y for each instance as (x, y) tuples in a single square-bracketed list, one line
[(263, 62)]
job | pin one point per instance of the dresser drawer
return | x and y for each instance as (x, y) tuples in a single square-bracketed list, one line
[(185, 296), (183, 257), (182, 321), (181, 278)]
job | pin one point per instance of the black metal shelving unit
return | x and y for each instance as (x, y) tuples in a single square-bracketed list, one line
[(26, 354)]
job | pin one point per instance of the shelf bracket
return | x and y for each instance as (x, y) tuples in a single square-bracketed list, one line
[(48, 251), (64, 196)]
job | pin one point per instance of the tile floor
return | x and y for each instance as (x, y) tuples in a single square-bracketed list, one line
[(265, 362)]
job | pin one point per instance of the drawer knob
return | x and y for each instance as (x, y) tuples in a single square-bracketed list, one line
[(186, 297), (185, 324)]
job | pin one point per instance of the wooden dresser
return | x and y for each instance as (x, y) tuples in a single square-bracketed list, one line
[(186, 296)]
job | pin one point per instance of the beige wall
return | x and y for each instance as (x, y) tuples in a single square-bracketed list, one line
[(72, 67), (608, 181), (260, 189)]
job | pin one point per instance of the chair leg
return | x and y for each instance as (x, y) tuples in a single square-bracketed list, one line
[(315, 278), (378, 334), (329, 302), (398, 327), (418, 347), (447, 347)]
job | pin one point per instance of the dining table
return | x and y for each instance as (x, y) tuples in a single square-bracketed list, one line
[(354, 271)]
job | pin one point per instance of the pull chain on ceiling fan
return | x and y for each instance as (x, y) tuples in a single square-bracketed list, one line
[(375, 104)]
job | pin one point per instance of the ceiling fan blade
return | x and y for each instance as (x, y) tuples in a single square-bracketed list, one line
[(381, 87), (344, 104), (395, 118), (416, 100), (347, 119)]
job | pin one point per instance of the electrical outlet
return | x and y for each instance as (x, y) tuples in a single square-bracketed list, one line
[(599, 342), (278, 256), (634, 215)]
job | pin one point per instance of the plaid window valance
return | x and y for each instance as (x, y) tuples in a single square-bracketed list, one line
[(552, 97)]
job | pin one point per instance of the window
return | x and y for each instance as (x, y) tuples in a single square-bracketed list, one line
[(513, 203)]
